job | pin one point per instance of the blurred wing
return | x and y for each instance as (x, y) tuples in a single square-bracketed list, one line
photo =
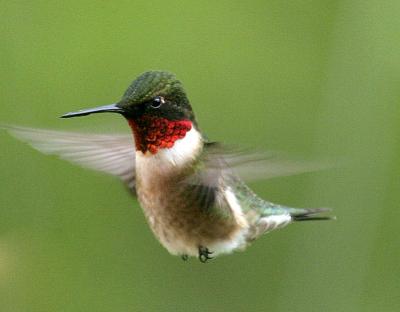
[(222, 168), (230, 163), (113, 154)]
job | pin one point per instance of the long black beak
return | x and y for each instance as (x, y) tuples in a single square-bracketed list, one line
[(112, 108)]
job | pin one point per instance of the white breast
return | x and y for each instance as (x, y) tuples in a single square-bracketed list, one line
[(165, 160)]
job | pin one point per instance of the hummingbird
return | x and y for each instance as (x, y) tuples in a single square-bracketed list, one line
[(190, 189)]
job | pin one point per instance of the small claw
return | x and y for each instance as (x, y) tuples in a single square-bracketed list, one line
[(204, 254), (184, 257), (203, 258)]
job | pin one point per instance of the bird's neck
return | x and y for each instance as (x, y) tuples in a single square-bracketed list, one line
[(164, 144), (155, 133)]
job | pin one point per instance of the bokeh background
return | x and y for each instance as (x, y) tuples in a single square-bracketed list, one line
[(315, 78)]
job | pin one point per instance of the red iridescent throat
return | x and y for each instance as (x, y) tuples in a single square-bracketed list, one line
[(153, 133)]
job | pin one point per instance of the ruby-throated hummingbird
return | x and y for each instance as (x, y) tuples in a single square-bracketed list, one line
[(189, 188)]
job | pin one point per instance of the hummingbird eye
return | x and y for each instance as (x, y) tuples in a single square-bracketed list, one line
[(157, 102)]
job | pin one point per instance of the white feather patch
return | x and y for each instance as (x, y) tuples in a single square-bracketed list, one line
[(270, 223), (239, 239), (235, 207), (226, 247), (185, 150)]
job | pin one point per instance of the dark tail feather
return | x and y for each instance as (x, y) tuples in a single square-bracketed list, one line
[(308, 218), (311, 214)]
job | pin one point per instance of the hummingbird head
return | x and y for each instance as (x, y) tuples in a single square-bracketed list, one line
[(156, 93), (157, 110)]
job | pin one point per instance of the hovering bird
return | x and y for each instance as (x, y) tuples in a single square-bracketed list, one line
[(189, 188)]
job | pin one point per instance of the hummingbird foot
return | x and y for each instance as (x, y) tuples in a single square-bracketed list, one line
[(204, 254), (184, 257)]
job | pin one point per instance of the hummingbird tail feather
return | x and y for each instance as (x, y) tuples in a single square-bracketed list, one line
[(310, 214)]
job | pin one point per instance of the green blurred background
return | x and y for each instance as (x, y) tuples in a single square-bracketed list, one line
[(316, 78)]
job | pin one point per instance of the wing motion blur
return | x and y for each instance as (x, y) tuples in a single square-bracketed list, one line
[(250, 165), (115, 154), (110, 153)]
